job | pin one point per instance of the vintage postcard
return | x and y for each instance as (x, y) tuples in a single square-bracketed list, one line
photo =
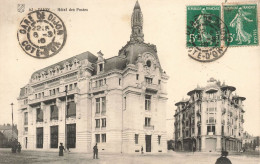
[(133, 81)]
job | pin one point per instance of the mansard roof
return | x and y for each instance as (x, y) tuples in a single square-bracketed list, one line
[(85, 55), (115, 62)]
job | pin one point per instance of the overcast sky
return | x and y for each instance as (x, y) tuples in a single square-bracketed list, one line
[(106, 26)]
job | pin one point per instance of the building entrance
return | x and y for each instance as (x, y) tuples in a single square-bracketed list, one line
[(148, 143)]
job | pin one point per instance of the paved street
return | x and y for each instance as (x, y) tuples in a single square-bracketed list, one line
[(169, 158)]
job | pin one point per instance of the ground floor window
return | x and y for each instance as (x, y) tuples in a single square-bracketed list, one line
[(71, 135), (104, 138), (97, 136), (54, 136), (159, 140), (39, 140), (136, 138)]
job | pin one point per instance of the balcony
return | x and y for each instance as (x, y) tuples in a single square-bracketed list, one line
[(97, 128), (54, 96), (152, 87), (39, 120), (211, 121), (211, 133), (23, 106), (98, 89), (149, 127)]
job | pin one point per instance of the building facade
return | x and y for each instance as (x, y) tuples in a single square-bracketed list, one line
[(210, 120), (118, 103)]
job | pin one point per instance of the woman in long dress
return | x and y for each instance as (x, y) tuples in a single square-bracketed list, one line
[(242, 35), (61, 148)]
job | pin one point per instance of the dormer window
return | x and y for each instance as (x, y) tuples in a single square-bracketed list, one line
[(148, 80), (100, 67)]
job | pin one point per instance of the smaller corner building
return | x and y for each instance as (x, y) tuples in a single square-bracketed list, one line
[(210, 120), (118, 103)]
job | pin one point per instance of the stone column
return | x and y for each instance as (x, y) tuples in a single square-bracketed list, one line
[(77, 102), (218, 146)]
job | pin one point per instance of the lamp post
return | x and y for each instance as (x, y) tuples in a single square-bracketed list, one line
[(12, 120), (66, 106)]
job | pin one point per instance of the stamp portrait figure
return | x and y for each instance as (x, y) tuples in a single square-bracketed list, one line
[(242, 23), (238, 23), (202, 28)]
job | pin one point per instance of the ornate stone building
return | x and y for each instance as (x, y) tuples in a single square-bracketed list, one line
[(210, 120), (118, 102)]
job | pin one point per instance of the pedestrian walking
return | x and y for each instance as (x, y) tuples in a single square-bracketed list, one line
[(61, 148), (68, 148), (19, 147), (95, 152), (142, 150), (194, 148), (223, 159), (14, 146)]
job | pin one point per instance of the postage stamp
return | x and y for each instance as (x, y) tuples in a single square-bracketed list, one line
[(203, 27), (241, 20), (205, 35), (41, 34)]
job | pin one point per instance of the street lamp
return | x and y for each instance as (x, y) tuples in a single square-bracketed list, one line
[(66, 106), (12, 120)]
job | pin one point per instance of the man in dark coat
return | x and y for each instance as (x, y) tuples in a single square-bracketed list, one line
[(61, 148), (223, 159), (95, 152), (19, 147)]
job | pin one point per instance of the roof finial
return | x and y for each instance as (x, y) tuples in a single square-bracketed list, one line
[(100, 53), (137, 24), (137, 6)]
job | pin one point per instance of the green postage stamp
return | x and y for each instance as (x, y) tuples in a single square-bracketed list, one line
[(205, 35), (212, 29), (203, 26), (241, 20)]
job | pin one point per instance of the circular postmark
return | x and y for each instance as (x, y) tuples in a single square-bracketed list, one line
[(41, 34), (207, 38)]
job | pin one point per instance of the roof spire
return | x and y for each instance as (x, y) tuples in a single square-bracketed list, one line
[(137, 6), (137, 24)]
